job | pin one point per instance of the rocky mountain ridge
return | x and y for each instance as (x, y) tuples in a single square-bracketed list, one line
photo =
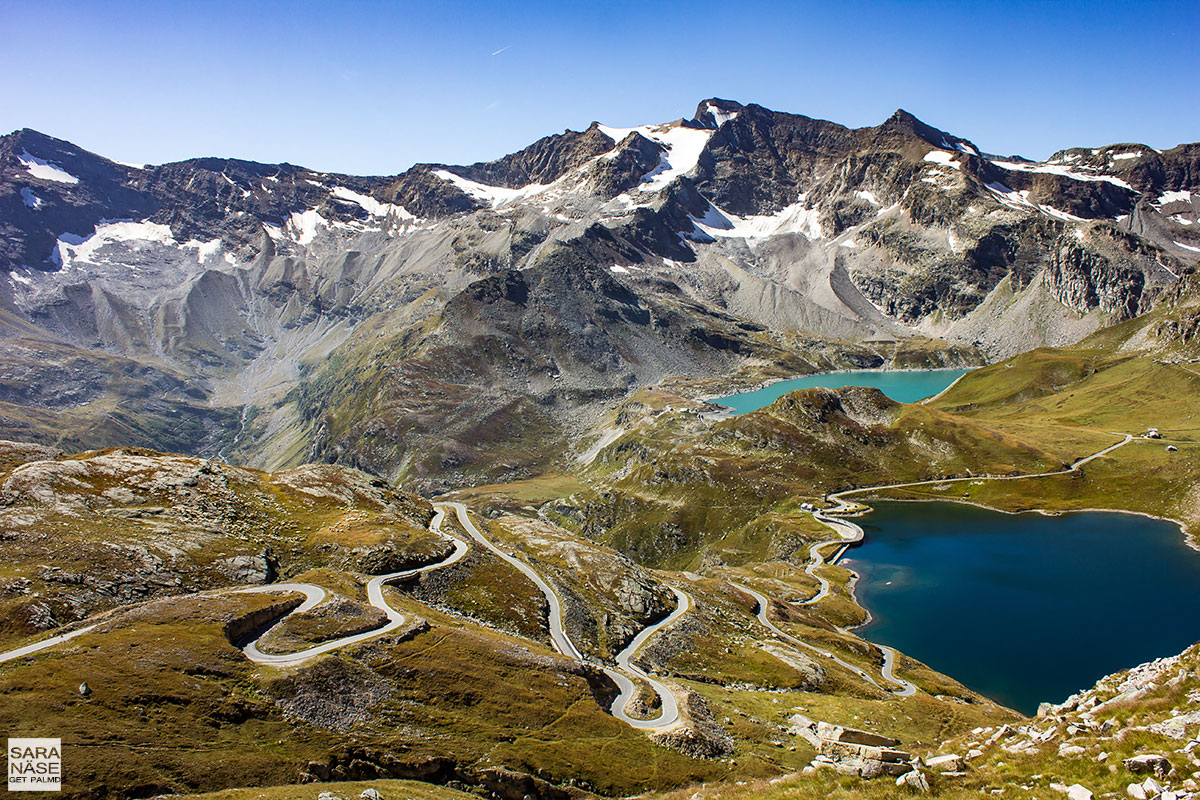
[(284, 314)]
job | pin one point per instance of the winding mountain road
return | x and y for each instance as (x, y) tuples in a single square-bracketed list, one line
[(558, 636), (764, 604), (669, 714), (843, 506), (624, 676), (44, 644), (314, 595)]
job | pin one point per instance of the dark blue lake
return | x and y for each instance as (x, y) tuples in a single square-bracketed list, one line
[(1026, 608), (906, 386)]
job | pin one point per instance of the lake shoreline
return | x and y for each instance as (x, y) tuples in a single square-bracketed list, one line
[(858, 579), (728, 410), (1189, 538)]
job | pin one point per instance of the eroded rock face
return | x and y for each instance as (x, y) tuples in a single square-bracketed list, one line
[(812, 673), (250, 569), (334, 618), (1083, 281)]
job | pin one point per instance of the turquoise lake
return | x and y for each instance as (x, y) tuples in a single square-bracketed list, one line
[(903, 386), (1025, 608)]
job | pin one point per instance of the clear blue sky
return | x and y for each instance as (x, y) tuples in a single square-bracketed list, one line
[(372, 87)]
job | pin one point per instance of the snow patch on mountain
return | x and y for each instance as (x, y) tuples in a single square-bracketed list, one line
[(1055, 169), (1019, 201), (1173, 197), (683, 148), (1063, 215), (30, 199), (796, 218), (40, 168), (372, 206), (720, 116), (1010, 197), (72, 249), (494, 195), (303, 225), (204, 250), (942, 157)]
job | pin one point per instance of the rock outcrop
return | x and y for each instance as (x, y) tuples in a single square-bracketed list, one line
[(856, 752)]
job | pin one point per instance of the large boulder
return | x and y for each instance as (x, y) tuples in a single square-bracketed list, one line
[(914, 780), (257, 569), (1078, 791), (840, 733), (947, 763), (806, 728), (1148, 763), (852, 751)]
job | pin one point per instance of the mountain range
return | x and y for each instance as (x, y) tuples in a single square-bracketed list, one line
[(457, 323)]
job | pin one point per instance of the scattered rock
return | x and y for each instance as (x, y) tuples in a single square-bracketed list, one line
[(1078, 791), (370, 794), (84, 689), (1176, 727), (915, 780), (330, 693), (1146, 790), (1001, 732), (948, 763), (1148, 763)]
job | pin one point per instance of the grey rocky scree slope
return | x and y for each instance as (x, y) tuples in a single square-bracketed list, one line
[(446, 319)]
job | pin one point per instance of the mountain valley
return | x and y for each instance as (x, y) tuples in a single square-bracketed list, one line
[(414, 484)]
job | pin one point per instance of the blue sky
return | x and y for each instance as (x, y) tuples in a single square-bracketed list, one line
[(372, 87)]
